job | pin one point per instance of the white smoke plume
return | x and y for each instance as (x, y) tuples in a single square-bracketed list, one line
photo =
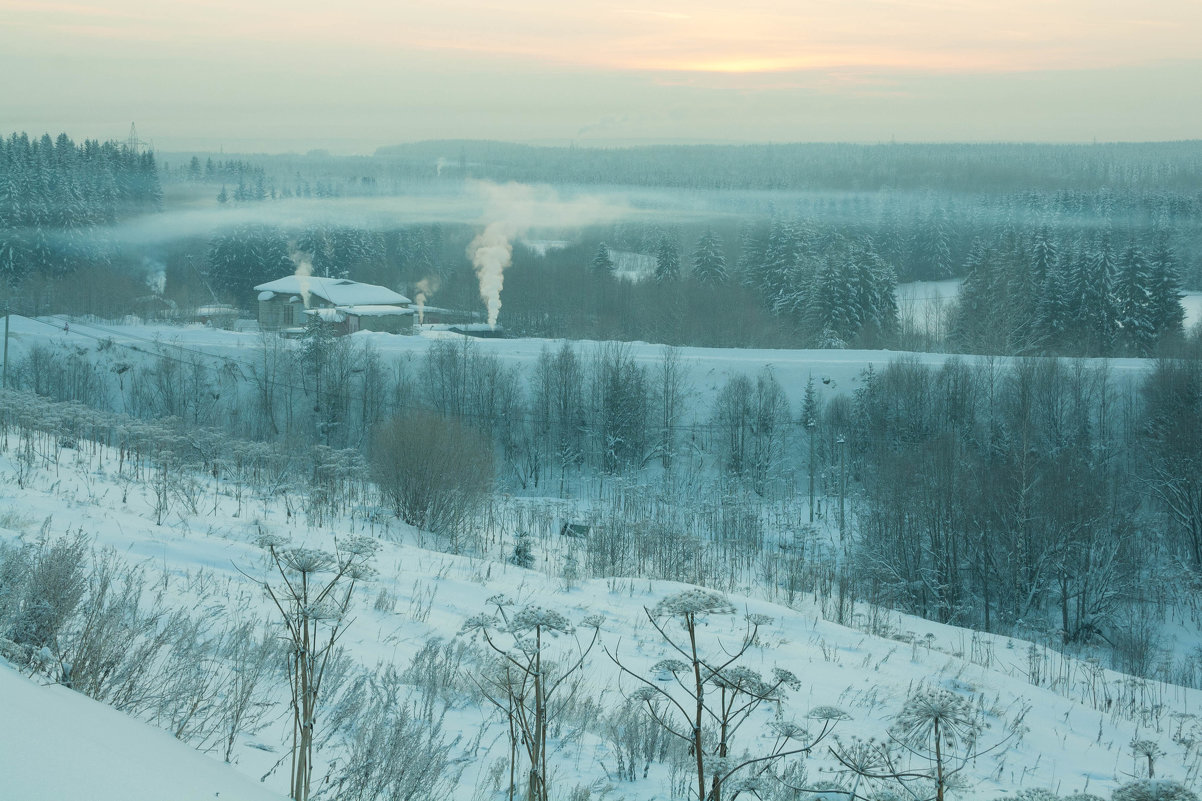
[(511, 210), (304, 269), (491, 253), (425, 288), (156, 276)]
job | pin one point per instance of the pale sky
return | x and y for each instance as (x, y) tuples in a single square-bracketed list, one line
[(291, 75)]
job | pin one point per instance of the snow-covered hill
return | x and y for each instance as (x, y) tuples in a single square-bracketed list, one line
[(56, 744), (1053, 722)]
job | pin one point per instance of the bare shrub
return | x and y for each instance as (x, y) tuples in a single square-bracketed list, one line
[(1136, 641), (635, 740), (392, 752), (433, 673), (41, 586), (434, 471)]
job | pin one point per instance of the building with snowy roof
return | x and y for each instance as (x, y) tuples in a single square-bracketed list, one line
[(287, 303)]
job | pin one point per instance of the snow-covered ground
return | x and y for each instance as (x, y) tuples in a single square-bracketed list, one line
[(926, 305), (1061, 723), (1192, 302), (56, 744), (1064, 724), (706, 369)]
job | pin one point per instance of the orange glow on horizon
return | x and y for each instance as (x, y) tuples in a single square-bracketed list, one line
[(701, 36), (545, 69)]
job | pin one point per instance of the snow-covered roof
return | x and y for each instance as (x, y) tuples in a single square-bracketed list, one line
[(328, 315), (338, 291), (375, 311)]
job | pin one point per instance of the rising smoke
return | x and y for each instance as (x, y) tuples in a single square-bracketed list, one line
[(425, 288), (156, 275), (491, 252), (511, 210), (304, 270)]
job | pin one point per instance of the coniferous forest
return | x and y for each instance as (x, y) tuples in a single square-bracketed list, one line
[(806, 250)]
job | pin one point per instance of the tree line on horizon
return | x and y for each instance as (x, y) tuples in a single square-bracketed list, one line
[(1096, 268)]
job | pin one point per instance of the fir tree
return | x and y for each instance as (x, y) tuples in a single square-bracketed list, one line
[(667, 259), (1133, 303), (603, 263), (709, 262), (1164, 298)]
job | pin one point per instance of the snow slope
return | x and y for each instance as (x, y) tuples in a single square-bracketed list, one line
[(56, 744), (1064, 724), (706, 369)]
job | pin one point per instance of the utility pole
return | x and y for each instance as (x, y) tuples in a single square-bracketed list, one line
[(5, 376), (842, 443), (810, 429)]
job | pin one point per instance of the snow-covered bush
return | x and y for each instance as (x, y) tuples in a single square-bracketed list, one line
[(1153, 790)]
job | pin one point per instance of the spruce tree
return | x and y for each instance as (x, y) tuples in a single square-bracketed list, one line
[(246, 256), (709, 262), (603, 263), (667, 259), (1133, 307), (835, 310), (753, 251), (1165, 311), (1052, 316), (970, 323), (1101, 297)]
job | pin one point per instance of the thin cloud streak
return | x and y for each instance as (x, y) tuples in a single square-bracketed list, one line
[(373, 72)]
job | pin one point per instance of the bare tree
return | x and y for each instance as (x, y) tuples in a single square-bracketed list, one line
[(670, 389), (557, 404), (619, 413), (1174, 397)]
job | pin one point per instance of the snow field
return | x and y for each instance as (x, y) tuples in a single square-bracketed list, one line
[(1070, 733)]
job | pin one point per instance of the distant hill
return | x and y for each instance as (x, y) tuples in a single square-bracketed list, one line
[(851, 167)]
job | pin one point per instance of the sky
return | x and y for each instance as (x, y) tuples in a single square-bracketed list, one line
[(350, 76)]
